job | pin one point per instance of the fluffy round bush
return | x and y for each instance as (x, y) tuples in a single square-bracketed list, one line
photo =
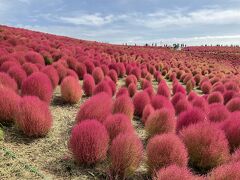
[(206, 87), (7, 81), (215, 97), (132, 89), (88, 84), (201, 103), (90, 66), (235, 157), (105, 69), (123, 104), (218, 112), (191, 116), (126, 153), (71, 90), (52, 74), (159, 102), (207, 146), (174, 172), (164, 150), (30, 68), (130, 79), (103, 86), (181, 106), (231, 127), (34, 57), (116, 124), (89, 142), (81, 70), (226, 172), (111, 84), (140, 100), (163, 89), (18, 74), (33, 117), (233, 104), (146, 112), (228, 95), (160, 121), (7, 65), (97, 75), (177, 97), (191, 96), (38, 84), (113, 75), (136, 72), (122, 91), (97, 107), (72, 73), (8, 104)]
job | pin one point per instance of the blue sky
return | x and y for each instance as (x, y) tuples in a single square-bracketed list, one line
[(193, 22)]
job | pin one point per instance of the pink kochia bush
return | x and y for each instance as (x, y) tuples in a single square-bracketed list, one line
[(164, 150), (97, 75), (174, 172), (38, 84), (161, 121), (182, 105), (8, 104), (34, 57), (233, 104), (228, 171), (126, 153), (235, 157), (159, 102), (147, 111), (217, 112), (140, 100), (7, 81), (88, 84), (52, 74), (191, 116), (97, 107), (132, 89), (124, 105), (116, 124), (215, 97), (163, 89), (89, 142), (103, 86), (33, 117), (18, 74), (207, 146), (71, 90)]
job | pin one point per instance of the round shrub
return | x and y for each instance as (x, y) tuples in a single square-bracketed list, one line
[(34, 57), (113, 75), (33, 117), (103, 86), (72, 73), (7, 81), (234, 104), (218, 112), (124, 105), (122, 91), (81, 70), (191, 116), (38, 84), (164, 150), (132, 89), (201, 103), (147, 111), (97, 75), (191, 96), (136, 72), (207, 146), (130, 79), (215, 97), (140, 100), (181, 106), (89, 142), (8, 104), (71, 90), (159, 122), (163, 89), (159, 102), (52, 74), (226, 171), (88, 84), (7, 65), (177, 97), (30, 68), (235, 157), (90, 66), (97, 107), (116, 124), (206, 87), (228, 95), (18, 74), (174, 172), (126, 153)]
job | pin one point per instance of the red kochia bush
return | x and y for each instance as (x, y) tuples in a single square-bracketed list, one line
[(130, 79), (71, 90), (7, 81), (161, 121), (52, 74), (226, 172), (7, 65), (103, 86), (174, 172), (30, 68), (88, 84), (217, 112), (163, 89), (8, 104), (81, 70), (122, 91), (97, 75), (182, 105), (116, 124), (233, 104), (132, 89), (228, 95), (124, 105), (177, 97), (206, 87), (126, 153), (33, 116), (164, 150), (235, 157), (191, 116), (147, 111), (215, 97), (97, 107), (231, 128), (207, 146), (38, 84), (89, 142), (140, 100), (34, 57), (201, 103), (159, 102), (18, 74)]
